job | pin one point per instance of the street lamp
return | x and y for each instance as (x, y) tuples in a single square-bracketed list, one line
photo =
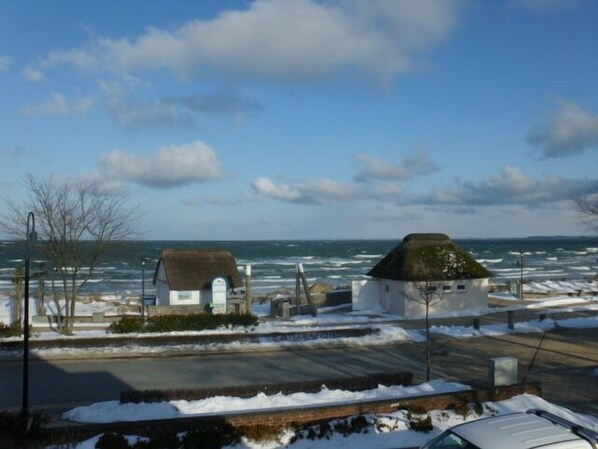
[(30, 237), (143, 263), (521, 264)]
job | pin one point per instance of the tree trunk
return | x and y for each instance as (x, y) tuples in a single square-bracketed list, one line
[(18, 295), (427, 346)]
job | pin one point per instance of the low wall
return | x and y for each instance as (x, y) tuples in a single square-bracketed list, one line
[(299, 416)]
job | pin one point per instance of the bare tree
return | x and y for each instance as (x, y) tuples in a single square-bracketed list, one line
[(587, 205), (428, 292), (76, 223)]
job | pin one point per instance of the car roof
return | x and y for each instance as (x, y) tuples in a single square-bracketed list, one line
[(517, 430)]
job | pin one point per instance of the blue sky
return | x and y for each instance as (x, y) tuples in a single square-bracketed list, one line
[(304, 119)]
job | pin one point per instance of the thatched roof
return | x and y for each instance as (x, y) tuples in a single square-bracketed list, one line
[(428, 257), (195, 269)]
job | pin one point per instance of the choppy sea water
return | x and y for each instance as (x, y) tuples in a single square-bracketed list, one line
[(336, 262)]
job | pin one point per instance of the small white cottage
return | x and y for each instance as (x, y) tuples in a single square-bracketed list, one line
[(193, 277), (458, 281)]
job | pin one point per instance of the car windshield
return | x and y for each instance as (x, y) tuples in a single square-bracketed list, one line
[(449, 440)]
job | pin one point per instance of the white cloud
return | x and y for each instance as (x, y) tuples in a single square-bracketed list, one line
[(315, 191), (510, 187), (265, 187), (31, 74), (169, 166), (371, 168), (59, 105), (571, 130), (5, 62), (288, 39)]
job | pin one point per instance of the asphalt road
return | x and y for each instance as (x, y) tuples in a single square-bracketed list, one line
[(73, 382), (566, 363)]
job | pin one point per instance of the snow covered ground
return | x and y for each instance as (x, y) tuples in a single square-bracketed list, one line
[(389, 330), (387, 431), (390, 431)]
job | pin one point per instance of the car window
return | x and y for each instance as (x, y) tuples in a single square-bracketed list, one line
[(448, 440)]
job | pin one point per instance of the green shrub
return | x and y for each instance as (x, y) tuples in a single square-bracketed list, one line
[(127, 325), (360, 424), (215, 437), (170, 323), (421, 424), (243, 319), (163, 440), (112, 441)]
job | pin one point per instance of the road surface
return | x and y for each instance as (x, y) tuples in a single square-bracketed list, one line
[(566, 363)]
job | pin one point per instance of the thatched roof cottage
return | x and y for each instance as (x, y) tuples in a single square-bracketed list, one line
[(185, 276), (461, 281)]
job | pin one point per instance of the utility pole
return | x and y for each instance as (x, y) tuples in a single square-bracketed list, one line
[(248, 300), (521, 263), (31, 236)]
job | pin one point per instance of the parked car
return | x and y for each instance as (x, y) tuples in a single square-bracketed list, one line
[(526, 430)]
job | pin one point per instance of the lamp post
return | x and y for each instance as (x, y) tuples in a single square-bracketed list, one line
[(521, 264), (143, 263), (30, 237)]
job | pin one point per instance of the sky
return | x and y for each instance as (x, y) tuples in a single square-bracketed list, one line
[(305, 119)]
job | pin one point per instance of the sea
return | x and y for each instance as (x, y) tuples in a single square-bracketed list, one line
[(336, 262)]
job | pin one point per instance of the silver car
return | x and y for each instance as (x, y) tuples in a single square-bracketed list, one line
[(533, 429)]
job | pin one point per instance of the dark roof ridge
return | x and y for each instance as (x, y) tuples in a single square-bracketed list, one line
[(196, 268), (426, 237), (422, 257)]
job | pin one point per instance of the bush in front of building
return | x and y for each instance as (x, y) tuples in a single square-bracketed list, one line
[(127, 325), (172, 323)]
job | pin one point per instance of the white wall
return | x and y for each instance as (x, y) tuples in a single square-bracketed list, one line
[(365, 294), (475, 296), (162, 290), (393, 296)]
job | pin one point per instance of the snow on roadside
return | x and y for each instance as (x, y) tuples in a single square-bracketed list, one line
[(493, 330), (114, 411), (392, 430), (387, 334), (387, 326)]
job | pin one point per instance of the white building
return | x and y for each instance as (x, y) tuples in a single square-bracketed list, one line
[(422, 263), (185, 276)]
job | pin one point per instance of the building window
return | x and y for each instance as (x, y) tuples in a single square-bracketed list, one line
[(461, 288), (447, 288), (387, 288), (185, 296)]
